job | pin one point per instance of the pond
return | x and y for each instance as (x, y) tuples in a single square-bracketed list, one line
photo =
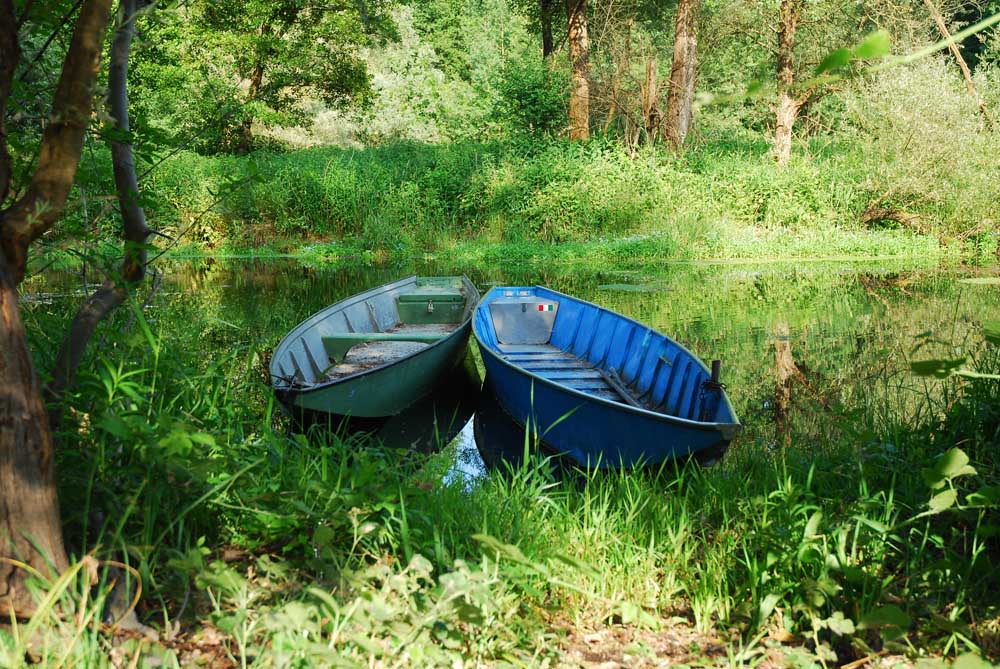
[(804, 346)]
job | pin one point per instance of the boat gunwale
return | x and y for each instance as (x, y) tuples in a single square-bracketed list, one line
[(292, 389), (686, 422)]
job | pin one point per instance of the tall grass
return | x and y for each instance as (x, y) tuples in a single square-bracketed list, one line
[(268, 547), (406, 199)]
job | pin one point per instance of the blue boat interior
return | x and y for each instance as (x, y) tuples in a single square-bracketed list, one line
[(598, 352)]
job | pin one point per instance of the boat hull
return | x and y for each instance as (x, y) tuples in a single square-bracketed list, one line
[(596, 386), (384, 391), (429, 317), (593, 433)]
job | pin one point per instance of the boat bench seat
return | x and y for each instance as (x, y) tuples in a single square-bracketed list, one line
[(338, 345)]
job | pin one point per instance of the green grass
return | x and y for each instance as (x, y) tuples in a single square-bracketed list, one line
[(588, 201), (275, 548)]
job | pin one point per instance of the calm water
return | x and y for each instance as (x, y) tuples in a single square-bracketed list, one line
[(837, 336)]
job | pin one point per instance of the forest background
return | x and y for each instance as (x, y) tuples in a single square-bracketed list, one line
[(441, 126), (600, 135)]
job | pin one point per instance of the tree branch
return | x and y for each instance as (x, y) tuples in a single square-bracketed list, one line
[(114, 290), (45, 47), (62, 142), (10, 55)]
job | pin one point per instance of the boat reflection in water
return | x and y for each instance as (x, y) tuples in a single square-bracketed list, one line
[(426, 426)]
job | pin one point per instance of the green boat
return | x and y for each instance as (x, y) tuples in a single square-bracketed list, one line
[(374, 354)]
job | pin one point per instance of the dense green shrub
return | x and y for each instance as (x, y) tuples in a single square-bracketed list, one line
[(723, 197), (927, 151), (532, 97)]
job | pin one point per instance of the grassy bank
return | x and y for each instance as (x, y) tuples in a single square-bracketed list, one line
[(722, 199), (876, 539)]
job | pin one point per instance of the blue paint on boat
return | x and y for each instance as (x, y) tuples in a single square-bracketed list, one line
[(597, 386)]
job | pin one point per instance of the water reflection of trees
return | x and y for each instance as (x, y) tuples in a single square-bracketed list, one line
[(800, 345)]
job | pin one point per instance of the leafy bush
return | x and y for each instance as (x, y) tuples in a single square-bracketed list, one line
[(532, 97), (926, 149)]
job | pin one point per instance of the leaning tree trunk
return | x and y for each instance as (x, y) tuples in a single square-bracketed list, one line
[(683, 71), (788, 108), (113, 292), (30, 531), (579, 96)]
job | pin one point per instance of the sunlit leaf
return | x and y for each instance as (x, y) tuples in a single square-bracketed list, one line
[(633, 614), (988, 495), (834, 60), (953, 464), (941, 369), (970, 661), (875, 45), (812, 527), (969, 374), (943, 501), (840, 625), (767, 605), (203, 438)]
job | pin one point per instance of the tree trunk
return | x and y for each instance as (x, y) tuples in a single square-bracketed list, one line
[(30, 530), (62, 142), (650, 108), (683, 71), (114, 291), (787, 108), (245, 142), (623, 58), (579, 96), (547, 9)]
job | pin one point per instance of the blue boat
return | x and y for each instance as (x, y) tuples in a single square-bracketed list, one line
[(596, 386)]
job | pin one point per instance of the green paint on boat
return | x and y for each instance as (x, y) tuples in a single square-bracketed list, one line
[(377, 352)]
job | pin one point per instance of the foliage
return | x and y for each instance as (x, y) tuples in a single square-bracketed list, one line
[(907, 121), (405, 198), (241, 64), (878, 536), (532, 97)]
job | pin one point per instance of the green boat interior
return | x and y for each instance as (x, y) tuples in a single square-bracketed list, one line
[(375, 328)]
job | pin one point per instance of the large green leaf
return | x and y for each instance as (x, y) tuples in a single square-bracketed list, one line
[(941, 369), (971, 661), (953, 464), (889, 615), (834, 60), (943, 501), (875, 45)]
